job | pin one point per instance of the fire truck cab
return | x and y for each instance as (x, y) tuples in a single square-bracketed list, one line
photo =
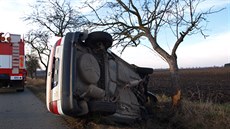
[(12, 62)]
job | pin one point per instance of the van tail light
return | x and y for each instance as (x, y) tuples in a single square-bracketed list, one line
[(53, 107), (58, 43)]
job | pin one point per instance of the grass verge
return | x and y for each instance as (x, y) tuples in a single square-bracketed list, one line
[(202, 115), (191, 115)]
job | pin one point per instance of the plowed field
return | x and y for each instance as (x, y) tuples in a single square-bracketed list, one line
[(202, 84)]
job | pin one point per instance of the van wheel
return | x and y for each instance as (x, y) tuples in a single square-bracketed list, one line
[(95, 39)]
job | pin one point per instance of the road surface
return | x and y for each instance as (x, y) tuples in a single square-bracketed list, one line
[(22, 110)]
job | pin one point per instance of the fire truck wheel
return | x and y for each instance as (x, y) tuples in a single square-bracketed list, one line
[(21, 85), (20, 90)]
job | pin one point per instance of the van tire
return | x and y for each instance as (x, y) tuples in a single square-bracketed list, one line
[(99, 36)]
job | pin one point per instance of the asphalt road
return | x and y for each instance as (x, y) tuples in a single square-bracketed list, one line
[(23, 110)]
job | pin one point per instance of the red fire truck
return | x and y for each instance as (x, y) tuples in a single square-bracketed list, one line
[(12, 62)]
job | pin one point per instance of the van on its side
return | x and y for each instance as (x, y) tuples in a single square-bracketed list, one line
[(85, 77)]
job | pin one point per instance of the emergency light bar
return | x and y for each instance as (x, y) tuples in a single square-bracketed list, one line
[(14, 38)]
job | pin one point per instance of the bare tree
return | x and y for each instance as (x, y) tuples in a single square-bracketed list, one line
[(32, 64), (130, 20), (51, 17), (39, 42), (56, 16)]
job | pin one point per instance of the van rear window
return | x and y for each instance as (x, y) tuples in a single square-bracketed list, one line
[(55, 72)]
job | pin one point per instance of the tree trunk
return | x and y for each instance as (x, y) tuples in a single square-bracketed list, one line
[(173, 67), (31, 75), (176, 88), (35, 74)]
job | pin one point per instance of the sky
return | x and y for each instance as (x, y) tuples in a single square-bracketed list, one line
[(195, 51)]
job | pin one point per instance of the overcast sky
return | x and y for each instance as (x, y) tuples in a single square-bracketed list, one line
[(195, 51)]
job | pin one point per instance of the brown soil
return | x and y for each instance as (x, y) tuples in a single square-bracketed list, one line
[(202, 84)]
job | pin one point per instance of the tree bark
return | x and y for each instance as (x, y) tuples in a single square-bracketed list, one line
[(175, 79)]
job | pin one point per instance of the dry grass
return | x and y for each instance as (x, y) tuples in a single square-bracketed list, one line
[(202, 115), (191, 115), (35, 82)]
